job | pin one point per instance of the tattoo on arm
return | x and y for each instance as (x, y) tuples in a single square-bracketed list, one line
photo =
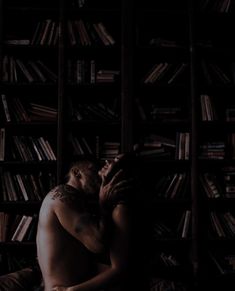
[(70, 197)]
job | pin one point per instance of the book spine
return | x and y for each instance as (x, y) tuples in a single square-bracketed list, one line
[(2, 144), (6, 108)]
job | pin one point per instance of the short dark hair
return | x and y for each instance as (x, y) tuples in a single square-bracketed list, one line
[(81, 162)]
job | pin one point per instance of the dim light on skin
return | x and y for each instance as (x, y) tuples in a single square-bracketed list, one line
[(109, 166), (115, 179)]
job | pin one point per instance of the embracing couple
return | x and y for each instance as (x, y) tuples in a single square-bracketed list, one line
[(87, 231)]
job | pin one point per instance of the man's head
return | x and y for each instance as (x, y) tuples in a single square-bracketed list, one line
[(83, 175)]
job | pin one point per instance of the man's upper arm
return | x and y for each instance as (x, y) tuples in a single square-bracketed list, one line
[(68, 217), (79, 224)]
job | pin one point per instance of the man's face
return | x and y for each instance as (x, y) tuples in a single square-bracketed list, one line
[(91, 179)]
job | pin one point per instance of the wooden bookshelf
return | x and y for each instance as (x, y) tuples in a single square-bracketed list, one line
[(163, 132), (99, 77), (30, 86), (63, 68)]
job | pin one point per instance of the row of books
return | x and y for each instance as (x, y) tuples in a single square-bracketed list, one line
[(208, 110), (18, 110), (212, 150), (213, 73), (224, 262), (165, 73), (17, 187), (164, 113), (18, 227), (168, 260), (2, 143), (96, 111), (165, 42), (80, 32), (222, 6), (165, 259), (80, 71), (223, 224), (103, 150), (154, 112), (174, 185), (182, 150), (210, 185), (15, 110), (229, 181), (154, 145), (81, 146), (29, 148), (218, 149), (17, 70), (219, 185), (85, 33), (160, 284), (182, 230), (171, 186), (108, 150)]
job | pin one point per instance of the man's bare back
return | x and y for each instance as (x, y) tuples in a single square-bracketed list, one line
[(62, 258)]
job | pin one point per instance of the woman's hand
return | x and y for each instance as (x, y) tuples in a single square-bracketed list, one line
[(115, 189)]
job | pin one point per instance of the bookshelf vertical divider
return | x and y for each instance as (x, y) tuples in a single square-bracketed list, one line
[(1, 32), (194, 142), (61, 91), (127, 59)]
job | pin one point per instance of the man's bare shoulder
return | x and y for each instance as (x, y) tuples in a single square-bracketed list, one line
[(66, 195)]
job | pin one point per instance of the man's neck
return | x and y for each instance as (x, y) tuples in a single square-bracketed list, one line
[(74, 185)]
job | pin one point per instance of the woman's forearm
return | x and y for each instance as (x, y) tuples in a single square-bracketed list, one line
[(110, 277)]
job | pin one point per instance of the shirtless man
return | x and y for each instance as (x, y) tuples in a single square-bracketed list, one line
[(68, 232)]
